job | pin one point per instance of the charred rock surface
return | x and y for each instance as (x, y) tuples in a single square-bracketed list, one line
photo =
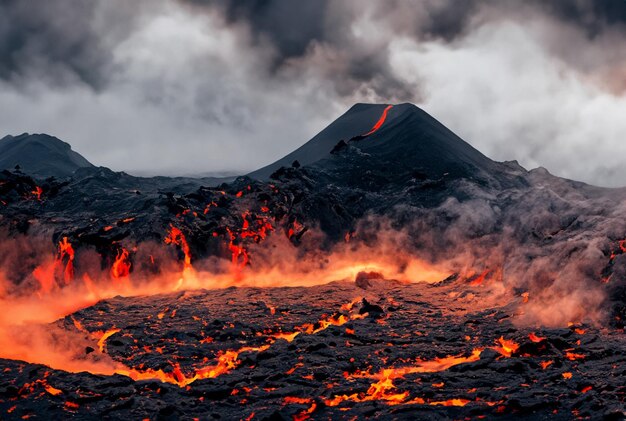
[(431, 351), (529, 248)]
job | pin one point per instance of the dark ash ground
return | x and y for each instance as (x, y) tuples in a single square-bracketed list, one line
[(292, 380)]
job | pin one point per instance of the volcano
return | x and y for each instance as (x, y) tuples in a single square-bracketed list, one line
[(408, 138), (385, 269)]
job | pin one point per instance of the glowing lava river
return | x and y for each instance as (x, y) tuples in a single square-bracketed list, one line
[(325, 352)]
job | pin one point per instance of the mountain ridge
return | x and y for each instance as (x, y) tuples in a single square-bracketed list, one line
[(40, 155), (402, 132)]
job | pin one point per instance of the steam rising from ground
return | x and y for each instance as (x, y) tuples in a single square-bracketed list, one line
[(549, 244), (25, 333), (523, 248)]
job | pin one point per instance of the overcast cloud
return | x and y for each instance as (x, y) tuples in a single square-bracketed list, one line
[(191, 86)]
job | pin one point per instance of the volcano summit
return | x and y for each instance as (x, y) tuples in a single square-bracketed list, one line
[(384, 269)]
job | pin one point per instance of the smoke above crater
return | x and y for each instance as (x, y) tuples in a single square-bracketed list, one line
[(191, 86)]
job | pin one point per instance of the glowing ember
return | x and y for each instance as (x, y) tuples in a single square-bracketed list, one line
[(546, 364), (295, 399), (451, 402), (53, 391), (295, 229), (572, 356)]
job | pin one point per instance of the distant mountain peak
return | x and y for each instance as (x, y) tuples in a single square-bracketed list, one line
[(40, 155), (402, 134), (357, 121)]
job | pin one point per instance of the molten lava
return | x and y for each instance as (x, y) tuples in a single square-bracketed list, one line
[(121, 265), (37, 192), (103, 339), (61, 270), (66, 252), (380, 121), (507, 346), (478, 280), (384, 389), (177, 237)]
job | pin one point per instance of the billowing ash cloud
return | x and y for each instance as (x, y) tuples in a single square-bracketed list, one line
[(594, 17), (30, 42), (191, 86), (62, 42)]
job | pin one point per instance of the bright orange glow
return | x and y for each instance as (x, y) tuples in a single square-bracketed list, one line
[(384, 388), (289, 337), (56, 299), (177, 237), (53, 391), (535, 338), (294, 229), (380, 121), (63, 265), (66, 251), (225, 362), (103, 339), (507, 346), (121, 265), (71, 405), (37, 192), (451, 402), (573, 356), (295, 399), (479, 279), (323, 324)]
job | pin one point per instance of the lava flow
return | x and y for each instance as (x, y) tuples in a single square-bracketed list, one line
[(407, 278), (380, 121), (177, 238), (121, 265), (47, 274), (246, 347)]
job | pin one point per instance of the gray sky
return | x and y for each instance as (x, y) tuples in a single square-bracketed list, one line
[(188, 86)]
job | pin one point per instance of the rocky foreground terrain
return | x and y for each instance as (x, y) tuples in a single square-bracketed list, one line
[(336, 351), (296, 291)]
